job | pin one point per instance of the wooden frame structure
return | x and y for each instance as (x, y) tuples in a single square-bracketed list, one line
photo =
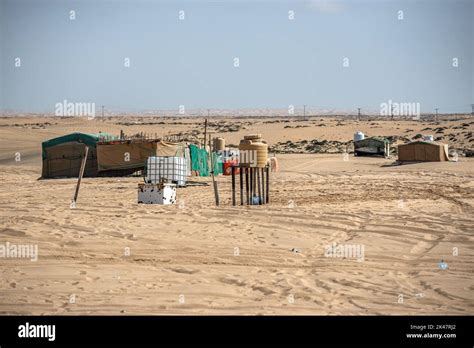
[(257, 185)]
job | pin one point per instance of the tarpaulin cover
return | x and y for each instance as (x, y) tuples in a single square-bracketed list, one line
[(64, 160), (373, 145), (166, 149), (199, 160), (217, 161), (124, 155), (85, 138)]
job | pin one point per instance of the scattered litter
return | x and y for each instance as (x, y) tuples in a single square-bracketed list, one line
[(442, 265)]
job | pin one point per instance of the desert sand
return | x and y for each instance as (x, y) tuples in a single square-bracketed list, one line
[(113, 256)]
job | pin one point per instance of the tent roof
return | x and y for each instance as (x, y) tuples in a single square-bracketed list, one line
[(86, 138), (373, 139), (425, 142)]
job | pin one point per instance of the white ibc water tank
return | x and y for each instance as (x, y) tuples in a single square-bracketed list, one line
[(428, 138), (173, 169), (359, 136)]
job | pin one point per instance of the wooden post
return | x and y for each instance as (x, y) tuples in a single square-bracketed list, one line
[(251, 185), (233, 185), (81, 173), (259, 186), (268, 183), (216, 189), (205, 132), (263, 199), (247, 184), (241, 176), (214, 182), (254, 188)]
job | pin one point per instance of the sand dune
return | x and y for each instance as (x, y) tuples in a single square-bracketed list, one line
[(182, 259)]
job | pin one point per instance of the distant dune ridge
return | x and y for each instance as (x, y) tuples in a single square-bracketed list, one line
[(341, 235), (288, 111)]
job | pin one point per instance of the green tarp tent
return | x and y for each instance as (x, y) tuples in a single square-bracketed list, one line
[(371, 146), (62, 156)]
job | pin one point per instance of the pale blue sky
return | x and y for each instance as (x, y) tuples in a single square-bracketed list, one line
[(282, 62)]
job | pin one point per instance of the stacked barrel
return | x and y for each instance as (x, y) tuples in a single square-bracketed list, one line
[(253, 151)]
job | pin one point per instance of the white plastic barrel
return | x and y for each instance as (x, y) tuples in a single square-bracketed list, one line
[(428, 138), (359, 136)]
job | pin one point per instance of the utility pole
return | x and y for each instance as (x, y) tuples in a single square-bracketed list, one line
[(304, 112), (436, 116), (205, 132), (472, 112), (358, 114), (391, 112), (102, 113)]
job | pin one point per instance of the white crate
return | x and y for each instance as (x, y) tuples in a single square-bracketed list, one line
[(157, 193), (172, 169)]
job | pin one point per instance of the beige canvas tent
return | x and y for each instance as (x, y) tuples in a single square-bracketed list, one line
[(424, 151), (126, 155)]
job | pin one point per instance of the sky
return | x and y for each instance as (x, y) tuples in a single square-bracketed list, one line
[(282, 61)]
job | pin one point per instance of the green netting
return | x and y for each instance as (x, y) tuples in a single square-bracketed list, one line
[(216, 158), (199, 160)]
